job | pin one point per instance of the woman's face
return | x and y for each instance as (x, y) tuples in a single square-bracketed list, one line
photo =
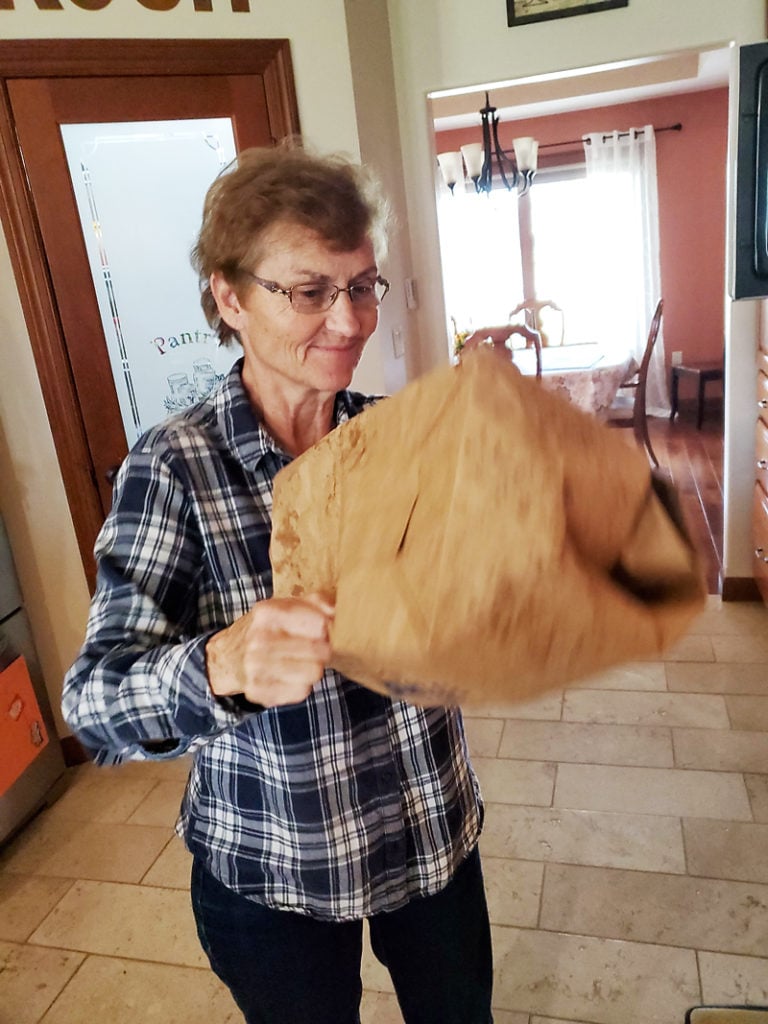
[(300, 353)]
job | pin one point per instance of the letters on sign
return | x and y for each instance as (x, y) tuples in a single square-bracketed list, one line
[(196, 337), (238, 6)]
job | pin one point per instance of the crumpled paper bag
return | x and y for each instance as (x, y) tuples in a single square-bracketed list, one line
[(484, 541)]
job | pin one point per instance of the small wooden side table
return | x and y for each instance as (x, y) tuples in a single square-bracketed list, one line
[(703, 373)]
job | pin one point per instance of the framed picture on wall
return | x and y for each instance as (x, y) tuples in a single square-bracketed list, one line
[(522, 12)]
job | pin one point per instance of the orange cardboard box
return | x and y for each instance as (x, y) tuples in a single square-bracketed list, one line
[(22, 730)]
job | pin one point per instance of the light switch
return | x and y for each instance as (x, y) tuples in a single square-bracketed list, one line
[(398, 342)]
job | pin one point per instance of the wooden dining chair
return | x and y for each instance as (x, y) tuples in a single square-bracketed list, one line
[(498, 337), (632, 413)]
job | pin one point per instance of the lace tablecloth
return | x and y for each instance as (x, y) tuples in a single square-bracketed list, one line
[(592, 385)]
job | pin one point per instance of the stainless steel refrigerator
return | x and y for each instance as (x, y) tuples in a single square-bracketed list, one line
[(30, 755)]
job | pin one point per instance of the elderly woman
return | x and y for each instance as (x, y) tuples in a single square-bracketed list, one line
[(312, 803)]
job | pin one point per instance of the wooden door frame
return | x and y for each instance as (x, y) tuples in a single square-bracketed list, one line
[(93, 58)]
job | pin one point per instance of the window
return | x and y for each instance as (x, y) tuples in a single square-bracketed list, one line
[(480, 246), (563, 255), (498, 250)]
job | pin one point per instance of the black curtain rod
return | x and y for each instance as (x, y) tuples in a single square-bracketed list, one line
[(578, 142)]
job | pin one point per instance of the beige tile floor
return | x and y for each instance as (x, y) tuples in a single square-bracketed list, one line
[(626, 857)]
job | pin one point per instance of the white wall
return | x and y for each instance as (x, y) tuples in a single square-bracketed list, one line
[(379, 138), (442, 44)]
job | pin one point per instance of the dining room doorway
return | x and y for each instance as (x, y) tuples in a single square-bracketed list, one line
[(685, 97)]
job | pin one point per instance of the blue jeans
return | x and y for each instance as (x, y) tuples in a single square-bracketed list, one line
[(287, 968)]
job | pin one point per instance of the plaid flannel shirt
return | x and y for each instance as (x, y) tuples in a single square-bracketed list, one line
[(342, 806)]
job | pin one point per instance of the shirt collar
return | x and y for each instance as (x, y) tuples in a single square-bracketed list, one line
[(241, 428)]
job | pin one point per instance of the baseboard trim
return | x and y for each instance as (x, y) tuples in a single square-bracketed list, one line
[(73, 751), (739, 588)]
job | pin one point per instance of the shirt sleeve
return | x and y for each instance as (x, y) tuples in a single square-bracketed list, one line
[(139, 687)]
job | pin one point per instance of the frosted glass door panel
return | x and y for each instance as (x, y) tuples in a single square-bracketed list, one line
[(139, 188)]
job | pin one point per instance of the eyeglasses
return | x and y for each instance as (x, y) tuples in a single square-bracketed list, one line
[(317, 298)]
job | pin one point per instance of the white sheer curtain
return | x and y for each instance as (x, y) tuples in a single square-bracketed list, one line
[(623, 197)]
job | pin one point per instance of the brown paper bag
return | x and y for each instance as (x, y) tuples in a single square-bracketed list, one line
[(484, 541)]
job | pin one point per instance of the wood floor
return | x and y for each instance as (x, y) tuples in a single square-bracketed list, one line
[(695, 460)]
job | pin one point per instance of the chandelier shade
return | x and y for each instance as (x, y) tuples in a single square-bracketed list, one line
[(451, 168), (526, 153), (473, 159)]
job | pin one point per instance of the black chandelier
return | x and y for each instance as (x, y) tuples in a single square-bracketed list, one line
[(478, 159)]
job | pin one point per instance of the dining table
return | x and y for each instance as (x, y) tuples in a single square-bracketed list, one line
[(585, 374)]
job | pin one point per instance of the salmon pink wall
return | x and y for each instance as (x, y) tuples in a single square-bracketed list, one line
[(691, 173)]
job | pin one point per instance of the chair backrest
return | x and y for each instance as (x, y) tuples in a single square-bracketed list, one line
[(539, 316), (653, 333), (645, 362), (499, 336), (639, 414), (533, 340)]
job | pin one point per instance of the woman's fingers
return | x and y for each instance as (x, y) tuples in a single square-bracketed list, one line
[(275, 653), (295, 617)]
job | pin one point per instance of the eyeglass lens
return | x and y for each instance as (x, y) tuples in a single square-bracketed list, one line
[(315, 298)]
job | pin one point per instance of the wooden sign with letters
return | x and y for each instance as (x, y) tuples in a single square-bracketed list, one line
[(237, 6)]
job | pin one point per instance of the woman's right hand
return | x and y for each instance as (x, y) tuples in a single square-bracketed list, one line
[(275, 654)]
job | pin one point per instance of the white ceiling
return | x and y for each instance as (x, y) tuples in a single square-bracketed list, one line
[(584, 88)]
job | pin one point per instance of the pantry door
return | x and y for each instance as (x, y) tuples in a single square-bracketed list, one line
[(117, 160)]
